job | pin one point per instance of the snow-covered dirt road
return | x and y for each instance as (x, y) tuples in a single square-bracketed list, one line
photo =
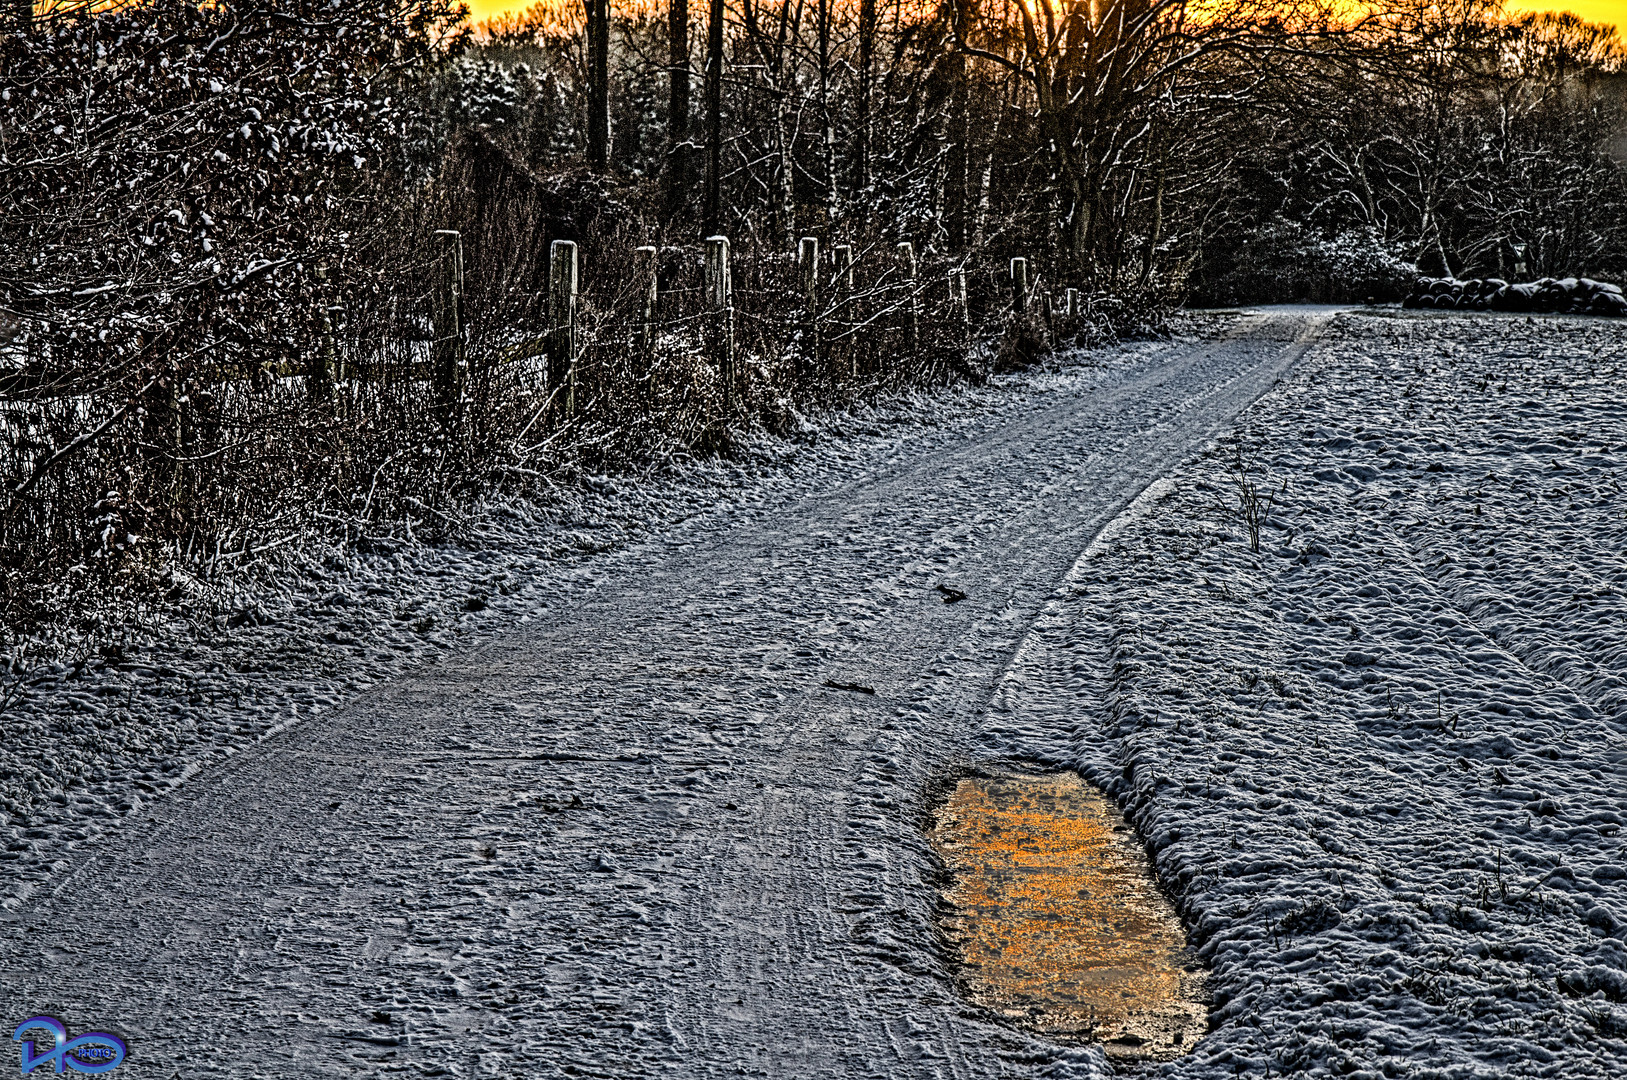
[(648, 831)]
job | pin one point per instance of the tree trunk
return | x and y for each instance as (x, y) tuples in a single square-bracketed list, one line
[(786, 188), (1149, 260), (714, 119), (784, 86), (677, 105), (598, 125), (829, 134), (867, 66), (1078, 237), (958, 164), (985, 185)]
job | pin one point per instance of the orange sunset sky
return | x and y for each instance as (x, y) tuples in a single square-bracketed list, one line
[(1613, 12)]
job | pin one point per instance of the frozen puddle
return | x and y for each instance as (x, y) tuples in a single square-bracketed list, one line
[(1057, 920)]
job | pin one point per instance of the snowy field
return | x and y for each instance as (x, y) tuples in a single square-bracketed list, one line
[(1381, 761), (622, 823)]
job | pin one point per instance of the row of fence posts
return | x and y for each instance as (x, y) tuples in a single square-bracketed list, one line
[(449, 365), (1021, 293), (842, 276)]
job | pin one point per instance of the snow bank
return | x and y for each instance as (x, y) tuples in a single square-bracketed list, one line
[(1574, 296)]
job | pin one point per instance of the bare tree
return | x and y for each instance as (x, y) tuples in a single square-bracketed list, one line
[(957, 170), (866, 93), (1098, 73), (712, 219), (598, 80), (677, 172), (827, 164)]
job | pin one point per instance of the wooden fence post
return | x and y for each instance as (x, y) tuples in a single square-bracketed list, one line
[(319, 365), (957, 293), (333, 324), (1073, 303), (720, 302), (808, 260), (842, 257), (646, 267), (562, 322), (1019, 284), (447, 362), (843, 254), (907, 267)]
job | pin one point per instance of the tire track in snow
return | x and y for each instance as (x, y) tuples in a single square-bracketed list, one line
[(638, 835)]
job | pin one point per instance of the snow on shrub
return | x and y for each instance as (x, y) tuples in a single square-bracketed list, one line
[(1287, 261)]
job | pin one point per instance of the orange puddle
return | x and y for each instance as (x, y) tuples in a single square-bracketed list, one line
[(1058, 921)]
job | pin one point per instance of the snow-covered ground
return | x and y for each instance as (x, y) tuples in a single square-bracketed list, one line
[(105, 725), (1380, 762), (638, 832), (624, 824)]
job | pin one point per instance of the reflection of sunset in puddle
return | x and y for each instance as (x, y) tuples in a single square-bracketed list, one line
[(1057, 920)]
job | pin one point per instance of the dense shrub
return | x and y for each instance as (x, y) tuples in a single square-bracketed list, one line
[(1287, 262)]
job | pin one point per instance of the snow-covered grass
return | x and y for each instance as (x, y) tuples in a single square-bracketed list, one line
[(1380, 762)]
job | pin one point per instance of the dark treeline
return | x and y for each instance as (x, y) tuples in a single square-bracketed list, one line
[(1439, 142), (1262, 150), (223, 268)]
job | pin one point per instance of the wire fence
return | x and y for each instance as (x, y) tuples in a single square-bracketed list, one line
[(400, 405)]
